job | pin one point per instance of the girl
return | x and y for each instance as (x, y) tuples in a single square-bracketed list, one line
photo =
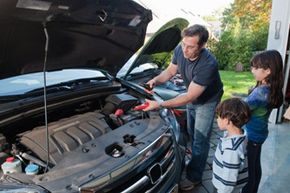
[(267, 68)]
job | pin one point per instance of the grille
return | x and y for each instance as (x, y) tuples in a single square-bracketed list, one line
[(146, 184), (155, 167)]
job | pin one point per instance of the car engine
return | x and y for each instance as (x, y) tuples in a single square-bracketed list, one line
[(69, 133)]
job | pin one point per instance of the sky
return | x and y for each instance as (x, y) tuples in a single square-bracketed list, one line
[(192, 10)]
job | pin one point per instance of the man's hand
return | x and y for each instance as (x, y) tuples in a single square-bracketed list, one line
[(141, 107), (149, 86), (151, 83), (151, 105)]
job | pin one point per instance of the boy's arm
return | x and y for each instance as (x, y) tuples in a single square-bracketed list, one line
[(231, 165)]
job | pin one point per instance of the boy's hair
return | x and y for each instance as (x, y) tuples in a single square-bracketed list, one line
[(271, 59), (235, 110), (196, 30)]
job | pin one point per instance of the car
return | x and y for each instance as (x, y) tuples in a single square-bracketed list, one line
[(68, 123), (154, 57)]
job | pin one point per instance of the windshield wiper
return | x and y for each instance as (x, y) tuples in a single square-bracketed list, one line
[(143, 73), (36, 92), (49, 89)]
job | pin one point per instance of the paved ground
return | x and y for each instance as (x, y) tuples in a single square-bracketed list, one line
[(275, 161), (206, 186)]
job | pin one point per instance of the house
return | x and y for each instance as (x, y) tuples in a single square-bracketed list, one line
[(163, 15), (279, 39)]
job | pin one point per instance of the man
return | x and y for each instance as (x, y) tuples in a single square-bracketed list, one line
[(199, 71)]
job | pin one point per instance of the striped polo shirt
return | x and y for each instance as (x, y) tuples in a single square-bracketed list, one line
[(230, 165)]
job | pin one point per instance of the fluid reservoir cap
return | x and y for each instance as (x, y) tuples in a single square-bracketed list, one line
[(10, 159), (31, 169)]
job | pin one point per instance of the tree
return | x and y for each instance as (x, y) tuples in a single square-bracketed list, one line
[(245, 30)]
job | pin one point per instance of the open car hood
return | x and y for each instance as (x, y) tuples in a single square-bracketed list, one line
[(159, 47), (75, 33)]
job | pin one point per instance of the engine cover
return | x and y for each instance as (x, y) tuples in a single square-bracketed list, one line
[(65, 135)]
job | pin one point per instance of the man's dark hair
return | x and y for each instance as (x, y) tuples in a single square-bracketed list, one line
[(235, 110), (196, 30)]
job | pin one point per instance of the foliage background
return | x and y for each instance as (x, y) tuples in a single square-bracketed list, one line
[(244, 31)]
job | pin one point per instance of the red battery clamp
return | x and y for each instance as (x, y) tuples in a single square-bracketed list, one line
[(141, 107)]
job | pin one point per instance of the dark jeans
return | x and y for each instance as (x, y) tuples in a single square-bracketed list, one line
[(199, 125), (254, 166)]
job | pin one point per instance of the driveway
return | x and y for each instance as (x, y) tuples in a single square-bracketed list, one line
[(275, 161)]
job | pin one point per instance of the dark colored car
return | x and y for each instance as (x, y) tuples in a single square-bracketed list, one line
[(154, 57), (67, 124)]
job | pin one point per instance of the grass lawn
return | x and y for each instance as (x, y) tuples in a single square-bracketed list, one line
[(236, 83)]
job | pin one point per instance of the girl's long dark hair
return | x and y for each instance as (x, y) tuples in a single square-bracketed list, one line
[(271, 59)]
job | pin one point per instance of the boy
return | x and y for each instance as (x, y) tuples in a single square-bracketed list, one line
[(230, 164)]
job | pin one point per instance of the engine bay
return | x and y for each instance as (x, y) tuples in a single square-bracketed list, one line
[(68, 133)]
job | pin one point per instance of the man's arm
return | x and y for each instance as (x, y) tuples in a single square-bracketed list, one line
[(194, 90), (164, 76)]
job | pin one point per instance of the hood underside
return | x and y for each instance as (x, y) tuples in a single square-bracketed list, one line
[(73, 33)]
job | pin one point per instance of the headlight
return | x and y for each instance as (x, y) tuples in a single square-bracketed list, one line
[(21, 190), (169, 117)]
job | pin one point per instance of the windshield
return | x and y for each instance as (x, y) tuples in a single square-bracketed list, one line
[(25, 83), (145, 62), (144, 67)]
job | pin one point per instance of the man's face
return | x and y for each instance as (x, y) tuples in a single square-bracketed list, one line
[(190, 47)]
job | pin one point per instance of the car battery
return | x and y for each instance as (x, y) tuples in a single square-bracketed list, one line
[(119, 101)]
